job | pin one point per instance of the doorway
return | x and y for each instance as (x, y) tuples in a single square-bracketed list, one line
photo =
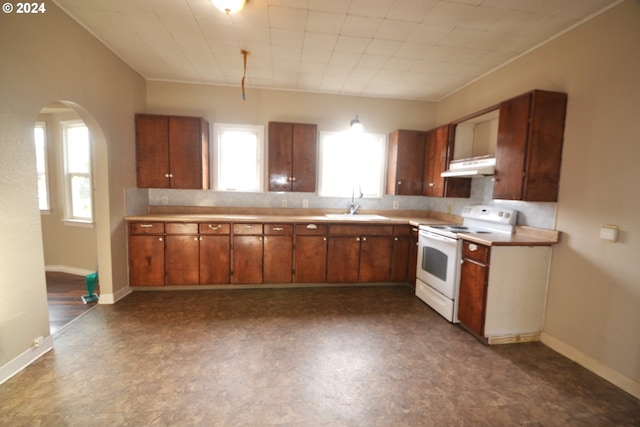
[(72, 195)]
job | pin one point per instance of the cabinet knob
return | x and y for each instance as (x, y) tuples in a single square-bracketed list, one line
[(473, 247), (215, 227), (166, 175), (160, 239), (364, 239), (431, 184)]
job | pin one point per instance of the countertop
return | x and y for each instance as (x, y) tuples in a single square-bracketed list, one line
[(523, 235)]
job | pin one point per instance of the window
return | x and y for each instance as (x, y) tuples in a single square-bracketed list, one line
[(77, 171), (237, 159), (40, 137), (352, 163)]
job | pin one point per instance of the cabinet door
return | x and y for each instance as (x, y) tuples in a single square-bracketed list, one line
[(400, 253), (152, 151), (473, 295), (435, 162), (188, 152), (292, 156), (280, 156), (513, 126), (182, 260), (406, 162), (146, 260), (311, 259), (278, 259), (375, 258), (343, 258), (304, 157), (247, 259), (215, 267)]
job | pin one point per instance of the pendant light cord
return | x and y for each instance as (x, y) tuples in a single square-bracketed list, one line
[(244, 57)]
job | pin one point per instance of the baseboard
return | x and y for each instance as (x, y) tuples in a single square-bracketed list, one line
[(614, 377), (68, 270), (108, 298), (25, 359)]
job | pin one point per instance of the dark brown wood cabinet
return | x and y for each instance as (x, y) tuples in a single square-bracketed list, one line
[(359, 253), (437, 152), (278, 253), (182, 254), (247, 253), (292, 157), (207, 253), (406, 162), (215, 253), (474, 280), (146, 254), (529, 148), (310, 253), (172, 152), (400, 253)]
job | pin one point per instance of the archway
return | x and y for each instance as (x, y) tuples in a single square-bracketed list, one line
[(100, 178)]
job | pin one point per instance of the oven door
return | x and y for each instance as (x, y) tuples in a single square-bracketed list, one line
[(438, 264)]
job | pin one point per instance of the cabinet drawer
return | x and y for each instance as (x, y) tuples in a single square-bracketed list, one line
[(146, 228), (286, 229), (401, 230), (311, 229), (181, 228), (250, 229), (214, 228), (475, 252), (360, 230)]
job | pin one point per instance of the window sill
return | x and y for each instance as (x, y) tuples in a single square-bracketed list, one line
[(78, 223)]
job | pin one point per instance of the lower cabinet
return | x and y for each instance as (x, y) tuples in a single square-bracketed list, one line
[(215, 254), (310, 253), (146, 254), (278, 253), (502, 291), (186, 254), (359, 253), (247, 254)]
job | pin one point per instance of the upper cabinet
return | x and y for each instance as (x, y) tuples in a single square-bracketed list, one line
[(529, 148), (436, 152), (172, 152), (406, 162), (292, 157)]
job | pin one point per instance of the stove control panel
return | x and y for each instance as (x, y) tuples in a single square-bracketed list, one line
[(494, 214)]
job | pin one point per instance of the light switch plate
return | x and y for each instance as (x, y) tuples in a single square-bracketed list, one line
[(609, 233)]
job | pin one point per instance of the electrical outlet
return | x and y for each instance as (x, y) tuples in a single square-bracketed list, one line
[(165, 200), (284, 203), (396, 204), (305, 203)]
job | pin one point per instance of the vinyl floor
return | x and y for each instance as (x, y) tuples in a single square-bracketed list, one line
[(370, 356)]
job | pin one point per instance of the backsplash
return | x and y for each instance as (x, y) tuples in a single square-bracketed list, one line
[(541, 215)]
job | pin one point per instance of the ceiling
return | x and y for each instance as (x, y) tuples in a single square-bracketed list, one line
[(405, 49)]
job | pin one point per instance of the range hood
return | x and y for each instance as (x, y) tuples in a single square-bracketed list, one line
[(473, 167)]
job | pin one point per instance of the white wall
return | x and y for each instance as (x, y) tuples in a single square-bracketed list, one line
[(45, 58), (593, 308)]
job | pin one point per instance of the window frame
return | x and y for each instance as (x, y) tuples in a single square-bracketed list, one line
[(323, 191), (69, 218), (216, 159), (45, 163)]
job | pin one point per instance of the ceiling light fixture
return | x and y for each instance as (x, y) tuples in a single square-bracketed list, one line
[(229, 6), (356, 125)]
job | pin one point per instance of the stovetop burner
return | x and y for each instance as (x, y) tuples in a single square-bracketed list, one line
[(478, 219)]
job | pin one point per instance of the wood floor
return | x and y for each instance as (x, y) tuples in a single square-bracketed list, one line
[(64, 292), (368, 356)]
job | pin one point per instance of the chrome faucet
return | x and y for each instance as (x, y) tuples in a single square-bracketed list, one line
[(353, 208)]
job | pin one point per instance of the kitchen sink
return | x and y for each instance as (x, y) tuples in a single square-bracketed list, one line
[(359, 217)]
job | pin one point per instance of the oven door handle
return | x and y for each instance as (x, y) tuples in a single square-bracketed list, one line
[(429, 235)]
